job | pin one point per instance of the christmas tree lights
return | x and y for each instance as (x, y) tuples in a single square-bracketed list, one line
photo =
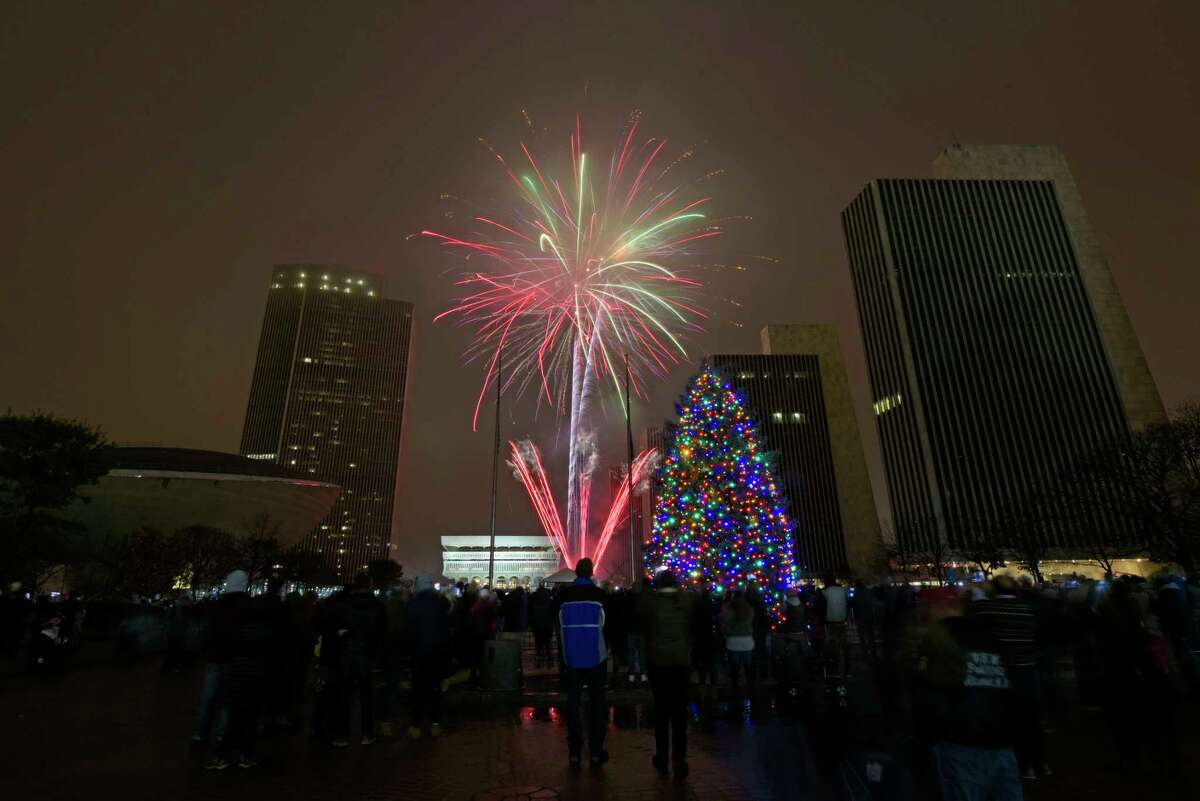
[(719, 522)]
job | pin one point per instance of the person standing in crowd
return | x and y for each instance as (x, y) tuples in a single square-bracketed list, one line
[(484, 616), (863, 606), (668, 620), (331, 624), (428, 633), (243, 633), (395, 649), (215, 652), (367, 620), (581, 625), (541, 617), (836, 608), (1011, 621), (280, 659), (965, 707), (737, 626), (635, 640), (704, 640)]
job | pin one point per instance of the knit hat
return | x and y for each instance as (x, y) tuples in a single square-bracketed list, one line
[(237, 581)]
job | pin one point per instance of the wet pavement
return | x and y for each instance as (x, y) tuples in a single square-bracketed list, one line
[(120, 731)]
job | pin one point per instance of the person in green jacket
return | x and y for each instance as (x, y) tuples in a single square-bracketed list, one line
[(666, 616)]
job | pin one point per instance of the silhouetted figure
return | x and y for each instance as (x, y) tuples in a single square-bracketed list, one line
[(367, 626), (737, 625), (541, 615), (581, 623), (241, 631), (668, 620), (965, 708), (428, 634)]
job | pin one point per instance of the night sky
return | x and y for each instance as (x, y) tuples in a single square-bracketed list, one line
[(156, 162)]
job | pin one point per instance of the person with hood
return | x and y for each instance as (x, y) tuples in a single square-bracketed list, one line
[(242, 633), (668, 624), (215, 653), (428, 632), (965, 707), (585, 653)]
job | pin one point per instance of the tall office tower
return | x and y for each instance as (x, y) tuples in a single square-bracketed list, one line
[(997, 345), (327, 398), (862, 541), (799, 394)]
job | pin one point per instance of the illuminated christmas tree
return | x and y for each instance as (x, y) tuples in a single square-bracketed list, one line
[(719, 521)]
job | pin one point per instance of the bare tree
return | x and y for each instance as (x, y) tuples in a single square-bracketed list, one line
[(207, 553), (1023, 530), (980, 545), (1151, 480), (260, 551)]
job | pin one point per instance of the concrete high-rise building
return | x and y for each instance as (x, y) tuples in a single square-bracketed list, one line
[(327, 398), (997, 345), (799, 393)]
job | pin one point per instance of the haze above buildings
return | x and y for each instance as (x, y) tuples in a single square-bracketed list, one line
[(150, 187)]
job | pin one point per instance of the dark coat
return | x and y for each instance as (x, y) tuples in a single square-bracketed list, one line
[(428, 626), (667, 619)]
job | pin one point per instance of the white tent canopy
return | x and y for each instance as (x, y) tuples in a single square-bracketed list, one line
[(564, 576)]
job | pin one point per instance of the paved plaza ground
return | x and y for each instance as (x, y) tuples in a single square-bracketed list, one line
[(120, 731)]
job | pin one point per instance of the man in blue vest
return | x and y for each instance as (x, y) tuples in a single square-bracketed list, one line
[(581, 618)]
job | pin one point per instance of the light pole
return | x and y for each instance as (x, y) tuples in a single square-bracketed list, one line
[(634, 550), (491, 577)]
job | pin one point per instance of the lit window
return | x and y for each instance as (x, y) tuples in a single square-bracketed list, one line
[(324, 277), (777, 417), (885, 405), (301, 275), (261, 456), (371, 292), (799, 417), (307, 360)]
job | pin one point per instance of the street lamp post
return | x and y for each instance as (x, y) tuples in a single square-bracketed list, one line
[(491, 576)]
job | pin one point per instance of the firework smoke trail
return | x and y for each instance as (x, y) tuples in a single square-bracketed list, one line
[(619, 511), (526, 463), (582, 271)]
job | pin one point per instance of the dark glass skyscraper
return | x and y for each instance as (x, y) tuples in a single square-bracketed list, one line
[(327, 398), (799, 394), (997, 346)]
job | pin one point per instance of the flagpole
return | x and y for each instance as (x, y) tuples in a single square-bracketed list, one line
[(495, 471), (633, 544)]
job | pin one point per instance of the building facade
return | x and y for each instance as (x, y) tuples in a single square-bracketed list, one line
[(786, 395), (519, 560), (997, 347), (327, 399), (861, 546)]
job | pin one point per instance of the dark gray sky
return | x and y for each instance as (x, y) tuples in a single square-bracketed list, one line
[(157, 159)]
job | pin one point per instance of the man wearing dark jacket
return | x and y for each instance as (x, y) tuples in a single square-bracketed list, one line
[(667, 616), (367, 626), (428, 633), (241, 633), (581, 622), (968, 708)]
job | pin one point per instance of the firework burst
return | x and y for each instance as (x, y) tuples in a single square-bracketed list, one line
[(585, 268), (586, 272)]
